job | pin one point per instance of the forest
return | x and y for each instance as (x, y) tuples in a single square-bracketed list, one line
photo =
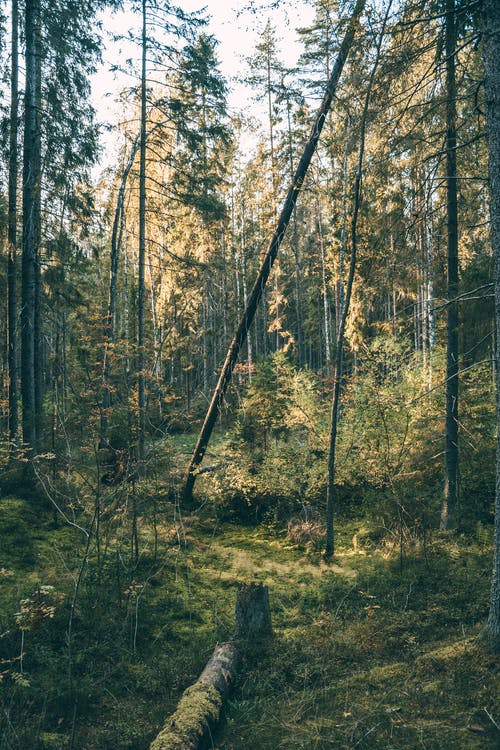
[(250, 351)]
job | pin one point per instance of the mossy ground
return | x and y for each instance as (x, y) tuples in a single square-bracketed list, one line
[(367, 653)]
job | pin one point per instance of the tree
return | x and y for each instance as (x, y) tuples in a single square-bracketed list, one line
[(12, 230), (31, 217), (450, 499), (330, 497), (142, 247), (491, 58)]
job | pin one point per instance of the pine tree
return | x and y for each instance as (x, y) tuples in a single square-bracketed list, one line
[(491, 57)]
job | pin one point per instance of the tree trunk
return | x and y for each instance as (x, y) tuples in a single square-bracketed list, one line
[(245, 288), (38, 315), (142, 253), (253, 613), (263, 275), (31, 182), (491, 56), (330, 492), (12, 232), (340, 292), (296, 255), (324, 290), (450, 498), (109, 327), (200, 705)]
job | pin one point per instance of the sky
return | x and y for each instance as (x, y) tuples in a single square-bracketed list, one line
[(235, 26)]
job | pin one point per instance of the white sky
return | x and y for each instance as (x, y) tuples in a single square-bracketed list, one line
[(236, 29)]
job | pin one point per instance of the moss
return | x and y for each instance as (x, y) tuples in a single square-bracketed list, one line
[(17, 522), (197, 711)]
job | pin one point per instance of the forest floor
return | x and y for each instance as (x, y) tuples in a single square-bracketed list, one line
[(372, 651)]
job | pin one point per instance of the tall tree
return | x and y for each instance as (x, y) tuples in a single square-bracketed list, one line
[(142, 247), (31, 196), (491, 58), (12, 229), (450, 499), (109, 325), (330, 496)]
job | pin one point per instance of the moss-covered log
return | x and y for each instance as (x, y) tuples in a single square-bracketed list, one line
[(199, 708)]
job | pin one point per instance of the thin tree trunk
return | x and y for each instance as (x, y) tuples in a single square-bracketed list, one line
[(491, 57), (343, 232), (245, 288), (450, 497), (330, 492), (12, 232), (39, 353), (298, 301), (204, 328), (142, 253), (109, 327), (430, 290), (324, 289), (263, 275), (31, 180)]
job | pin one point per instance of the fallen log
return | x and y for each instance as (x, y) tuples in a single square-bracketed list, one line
[(199, 709)]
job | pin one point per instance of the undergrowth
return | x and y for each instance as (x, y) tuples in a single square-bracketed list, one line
[(376, 650)]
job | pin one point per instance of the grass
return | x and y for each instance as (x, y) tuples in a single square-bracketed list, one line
[(364, 654), (384, 659)]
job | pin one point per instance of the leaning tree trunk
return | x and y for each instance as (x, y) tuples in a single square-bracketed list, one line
[(450, 498), (12, 231), (330, 492), (491, 56), (270, 257)]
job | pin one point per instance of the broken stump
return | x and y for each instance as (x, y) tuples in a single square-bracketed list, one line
[(253, 614)]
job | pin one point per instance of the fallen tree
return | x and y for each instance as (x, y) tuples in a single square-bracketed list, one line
[(199, 709)]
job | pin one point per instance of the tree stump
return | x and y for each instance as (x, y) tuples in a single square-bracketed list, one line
[(199, 709), (253, 614)]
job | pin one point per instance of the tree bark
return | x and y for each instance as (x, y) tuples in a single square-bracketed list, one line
[(142, 253), (491, 57), (31, 184), (263, 275), (200, 705), (253, 613), (109, 328), (324, 291), (296, 254), (450, 498), (38, 315), (12, 231)]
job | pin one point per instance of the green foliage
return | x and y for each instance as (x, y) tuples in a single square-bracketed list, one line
[(389, 456), (381, 659), (141, 630), (264, 407), (17, 526)]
